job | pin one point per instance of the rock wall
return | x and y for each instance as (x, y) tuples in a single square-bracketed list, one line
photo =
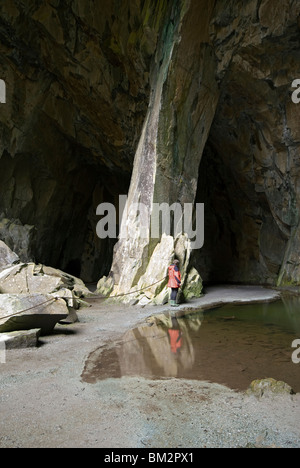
[(170, 102), (183, 99), (227, 97), (249, 177), (77, 79)]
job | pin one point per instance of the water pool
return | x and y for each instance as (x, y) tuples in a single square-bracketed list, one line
[(230, 345)]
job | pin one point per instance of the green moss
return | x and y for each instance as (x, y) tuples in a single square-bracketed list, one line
[(193, 285), (287, 281), (115, 46), (133, 38), (147, 12), (269, 386), (159, 13), (105, 286), (154, 17)]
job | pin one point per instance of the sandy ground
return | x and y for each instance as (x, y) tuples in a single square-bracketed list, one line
[(45, 403)]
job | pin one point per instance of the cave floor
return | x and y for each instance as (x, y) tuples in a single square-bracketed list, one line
[(44, 402)]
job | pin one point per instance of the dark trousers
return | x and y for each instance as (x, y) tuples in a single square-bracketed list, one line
[(174, 293)]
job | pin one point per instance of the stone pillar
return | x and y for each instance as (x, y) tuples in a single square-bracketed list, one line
[(182, 105)]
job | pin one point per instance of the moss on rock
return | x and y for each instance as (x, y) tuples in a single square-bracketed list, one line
[(269, 386)]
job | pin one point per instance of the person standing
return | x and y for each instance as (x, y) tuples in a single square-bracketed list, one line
[(174, 282)]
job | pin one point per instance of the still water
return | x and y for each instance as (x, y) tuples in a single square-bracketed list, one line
[(232, 345)]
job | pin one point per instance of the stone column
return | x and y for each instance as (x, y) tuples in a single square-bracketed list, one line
[(182, 105)]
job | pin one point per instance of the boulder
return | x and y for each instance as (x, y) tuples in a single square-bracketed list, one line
[(157, 270), (152, 287), (18, 237), (73, 304), (20, 339), (265, 387), (193, 285), (7, 256), (105, 286), (28, 278), (31, 311), (21, 279)]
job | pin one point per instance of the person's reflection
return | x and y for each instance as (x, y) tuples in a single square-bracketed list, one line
[(163, 349), (176, 336)]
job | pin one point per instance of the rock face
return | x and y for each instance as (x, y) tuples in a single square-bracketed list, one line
[(152, 285), (250, 169), (7, 256), (77, 91), (241, 109), (170, 102)]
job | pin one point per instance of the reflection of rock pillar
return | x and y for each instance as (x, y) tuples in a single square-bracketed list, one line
[(182, 106), (290, 269), (2, 350), (2, 92)]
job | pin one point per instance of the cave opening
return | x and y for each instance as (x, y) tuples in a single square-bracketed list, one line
[(244, 185), (80, 251), (48, 211)]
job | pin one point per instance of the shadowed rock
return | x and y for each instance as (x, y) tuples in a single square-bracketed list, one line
[(7, 256), (26, 312)]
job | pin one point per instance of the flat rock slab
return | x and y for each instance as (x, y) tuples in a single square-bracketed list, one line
[(31, 311), (216, 296), (29, 278), (20, 339)]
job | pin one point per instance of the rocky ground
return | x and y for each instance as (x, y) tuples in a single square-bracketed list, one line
[(45, 403)]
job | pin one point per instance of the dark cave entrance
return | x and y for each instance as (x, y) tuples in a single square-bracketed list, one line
[(219, 259), (244, 182), (244, 242), (48, 211), (81, 252)]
